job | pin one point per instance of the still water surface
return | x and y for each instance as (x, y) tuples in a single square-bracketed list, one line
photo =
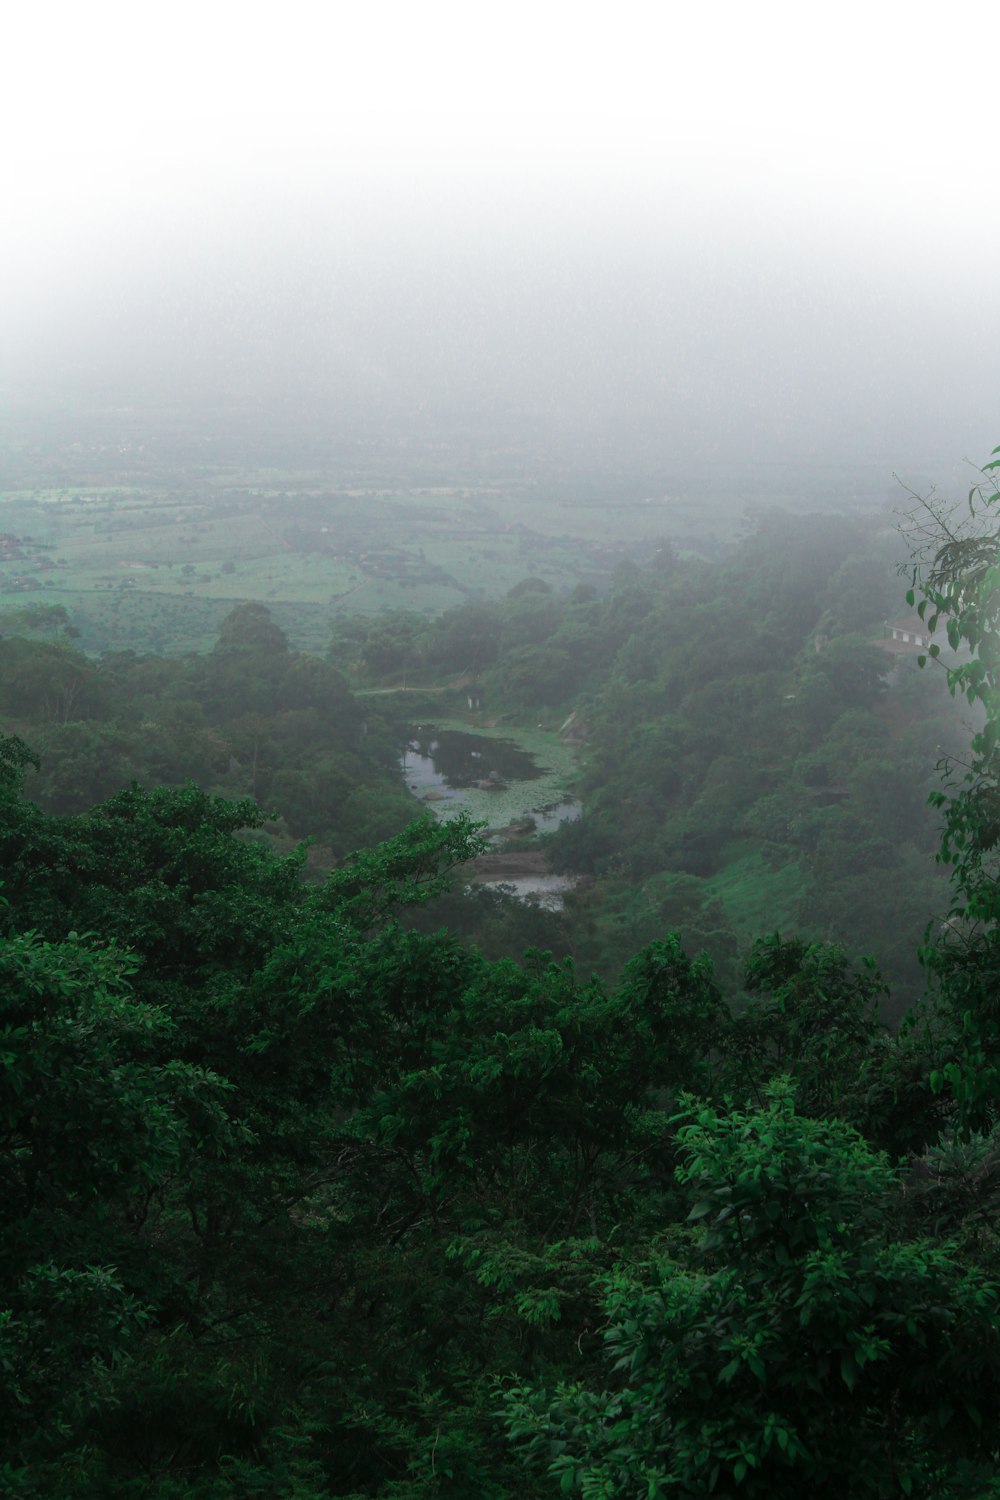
[(448, 763)]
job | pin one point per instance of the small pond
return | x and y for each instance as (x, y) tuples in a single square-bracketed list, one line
[(452, 760), (547, 890), (494, 778)]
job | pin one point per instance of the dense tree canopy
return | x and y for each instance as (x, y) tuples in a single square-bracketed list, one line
[(249, 718), (307, 1197)]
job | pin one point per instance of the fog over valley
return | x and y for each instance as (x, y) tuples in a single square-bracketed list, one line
[(499, 751), (673, 339), (623, 250)]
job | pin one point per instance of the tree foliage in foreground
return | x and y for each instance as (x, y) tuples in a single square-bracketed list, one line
[(290, 1189), (955, 583), (808, 1345), (303, 1203), (835, 1331)]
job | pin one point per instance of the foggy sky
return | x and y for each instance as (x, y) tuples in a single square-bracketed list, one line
[(750, 237)]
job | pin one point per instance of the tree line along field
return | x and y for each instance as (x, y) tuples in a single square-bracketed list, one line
[(741, 760), (707, 745), (162, 571), (153, 542)]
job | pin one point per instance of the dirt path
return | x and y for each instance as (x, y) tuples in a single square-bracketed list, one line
[(444, 687)]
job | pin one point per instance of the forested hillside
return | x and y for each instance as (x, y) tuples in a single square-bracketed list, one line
[(290, 1190), (750, 758), (303, 1202), (499, 753), (249, 718)]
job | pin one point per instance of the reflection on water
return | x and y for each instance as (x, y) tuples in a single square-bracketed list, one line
[(441, 764), (547, 819), (547, 890), (457, 759)]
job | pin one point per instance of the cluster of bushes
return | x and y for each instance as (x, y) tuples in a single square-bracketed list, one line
[(249, 718)]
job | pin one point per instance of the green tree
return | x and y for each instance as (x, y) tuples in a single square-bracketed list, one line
[(803, 1344), (955, 573), (92, 1118), (50, 681), (814, 1015), (250, 627), (465, 638), (173, 1121)]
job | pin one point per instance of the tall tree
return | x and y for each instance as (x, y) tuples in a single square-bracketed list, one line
[(801, 1342), (955, 585)]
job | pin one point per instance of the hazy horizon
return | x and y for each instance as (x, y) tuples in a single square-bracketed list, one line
[(729, 240)]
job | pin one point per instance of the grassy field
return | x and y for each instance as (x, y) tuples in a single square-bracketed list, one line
[(757, 897), (160, 570), (148, 533)]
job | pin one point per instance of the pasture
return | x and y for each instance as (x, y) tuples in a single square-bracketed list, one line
[(148, 545)]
